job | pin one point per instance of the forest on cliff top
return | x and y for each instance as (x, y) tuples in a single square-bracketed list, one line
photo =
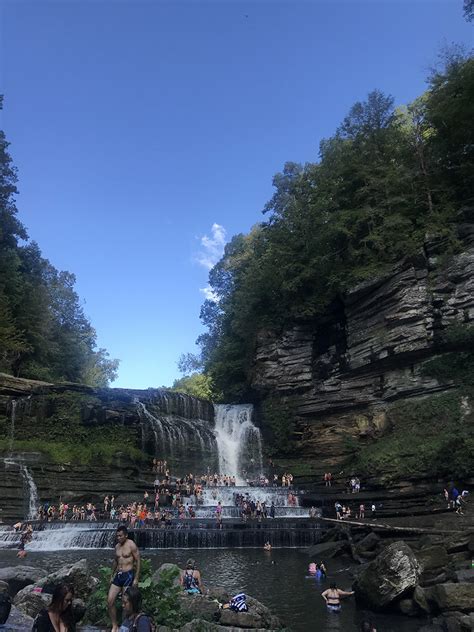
[(388, 179)]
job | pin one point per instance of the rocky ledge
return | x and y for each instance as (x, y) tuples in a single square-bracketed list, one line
[(431, 576)]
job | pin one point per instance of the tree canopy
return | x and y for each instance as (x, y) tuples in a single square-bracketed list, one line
[(387, 177), (44, 333)]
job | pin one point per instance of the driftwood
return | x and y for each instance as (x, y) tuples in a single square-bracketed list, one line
[(380, 526)]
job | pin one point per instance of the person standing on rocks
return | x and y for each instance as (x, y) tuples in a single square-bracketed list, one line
[(125, 571)]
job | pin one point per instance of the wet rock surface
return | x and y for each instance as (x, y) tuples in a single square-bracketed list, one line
[(390, 576)]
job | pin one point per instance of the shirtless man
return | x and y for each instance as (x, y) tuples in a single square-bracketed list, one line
[(125, 571)]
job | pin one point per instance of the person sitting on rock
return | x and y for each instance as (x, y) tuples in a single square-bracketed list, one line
[(190, 579), (58, 617), (238, 603)]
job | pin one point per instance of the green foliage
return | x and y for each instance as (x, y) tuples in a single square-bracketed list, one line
[(278, 419), (429, 437), (197, 384), (95, 451), (384, 180), (456, 366), (159, 599), (44, 333)]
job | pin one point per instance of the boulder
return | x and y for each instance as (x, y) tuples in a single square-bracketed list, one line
[(432, 558), (240, 619), (30, 602), (369, 543), (459, 597), (4, 587), (422, 598), (456, 543), (465, 575), (17, 577), (76, 575), (393, 574), (18, 621), (199, 606), (408, 607)]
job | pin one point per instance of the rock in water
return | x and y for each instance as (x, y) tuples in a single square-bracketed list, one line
[(17, 577), (391, 575)]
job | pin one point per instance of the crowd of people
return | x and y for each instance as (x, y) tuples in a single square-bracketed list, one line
[(455, 499)]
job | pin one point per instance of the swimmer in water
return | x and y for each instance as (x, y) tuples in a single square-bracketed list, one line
[(332, 597), (267, 546)]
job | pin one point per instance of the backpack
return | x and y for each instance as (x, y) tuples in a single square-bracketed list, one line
[(134, 627)]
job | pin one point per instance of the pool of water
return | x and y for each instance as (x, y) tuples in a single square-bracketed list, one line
[(277, 578)]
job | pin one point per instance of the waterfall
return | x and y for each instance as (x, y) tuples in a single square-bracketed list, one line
[(33, 500), (174, 436), (239, 442), (29, 486)]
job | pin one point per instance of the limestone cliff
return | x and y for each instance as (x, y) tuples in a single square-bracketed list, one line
[(80, 443), (339, 377)]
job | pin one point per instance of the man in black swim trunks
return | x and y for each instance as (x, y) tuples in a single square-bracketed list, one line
[(125, 571)]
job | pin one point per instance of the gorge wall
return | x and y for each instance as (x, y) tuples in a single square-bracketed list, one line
[(356, 385), (80, 443)]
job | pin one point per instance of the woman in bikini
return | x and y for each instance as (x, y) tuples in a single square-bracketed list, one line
[(332, 597)]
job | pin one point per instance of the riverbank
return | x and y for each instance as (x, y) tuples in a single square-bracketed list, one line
[(277, 579), (421, 569)]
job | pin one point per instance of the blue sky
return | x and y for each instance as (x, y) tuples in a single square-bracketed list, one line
[(146, 133)]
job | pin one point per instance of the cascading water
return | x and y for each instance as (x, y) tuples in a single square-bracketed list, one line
[(239, 442), (30, 489), (29, 485), (33, 499), (176, 437)]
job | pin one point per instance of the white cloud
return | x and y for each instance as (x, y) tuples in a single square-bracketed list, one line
[(212, 248), (209, 293)]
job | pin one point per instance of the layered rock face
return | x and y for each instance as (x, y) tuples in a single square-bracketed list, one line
[(340, 375), (39, 420)]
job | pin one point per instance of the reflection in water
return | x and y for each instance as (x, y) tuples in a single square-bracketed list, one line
[(277, 578)]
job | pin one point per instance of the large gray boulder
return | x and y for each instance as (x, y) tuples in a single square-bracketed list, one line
[(30, 602), (17, 577), (394, 573), (198, 606), (17, 621), (459, 597), (76, 575)]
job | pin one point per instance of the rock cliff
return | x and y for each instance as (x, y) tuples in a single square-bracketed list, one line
[(79, 443), (339, 377)]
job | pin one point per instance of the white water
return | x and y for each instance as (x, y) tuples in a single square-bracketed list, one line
[(30, 485), (225, 495), (171, 433), (26, 475), (33, 500), (239, 442)]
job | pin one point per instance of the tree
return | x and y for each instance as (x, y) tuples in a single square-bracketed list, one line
[(469, 10), (383, 181), (196, 384)]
